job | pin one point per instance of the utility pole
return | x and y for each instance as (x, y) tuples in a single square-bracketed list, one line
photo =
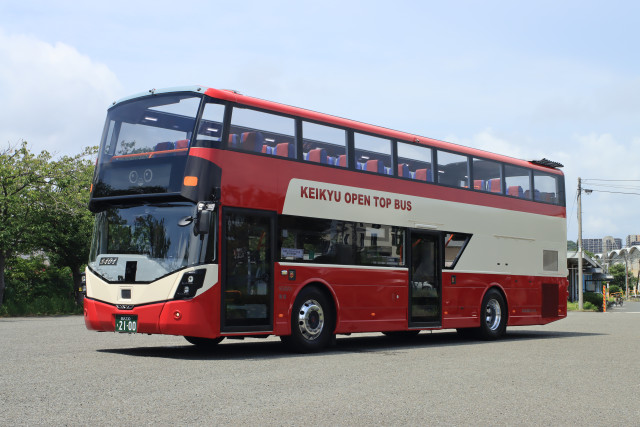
[(580, 296)]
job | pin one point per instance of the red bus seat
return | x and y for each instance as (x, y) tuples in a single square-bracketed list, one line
[(318, 155), (285, 149), (516, 191), (183, 143), (375, 166), (251, 141), (495, 185)]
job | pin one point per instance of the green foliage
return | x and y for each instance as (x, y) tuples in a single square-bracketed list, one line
[(43, 209), (617, 271), (592, 298), (614, 288), (36, 288), (571, 245)]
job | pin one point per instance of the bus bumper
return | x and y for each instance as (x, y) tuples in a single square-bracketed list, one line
[(185, 318)]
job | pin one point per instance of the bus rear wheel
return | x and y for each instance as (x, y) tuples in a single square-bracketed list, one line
[(204, 343), (493, 322), (312, 322)]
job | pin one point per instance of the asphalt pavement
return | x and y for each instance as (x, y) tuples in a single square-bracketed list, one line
[(582, 370)]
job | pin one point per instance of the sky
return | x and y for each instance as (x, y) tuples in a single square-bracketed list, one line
[(552, 79)]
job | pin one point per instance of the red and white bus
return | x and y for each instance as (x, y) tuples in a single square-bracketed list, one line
[(220, 215)]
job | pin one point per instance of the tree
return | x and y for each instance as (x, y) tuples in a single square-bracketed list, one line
[(67, 223), (617, 271), (571, 245), (24, 177)]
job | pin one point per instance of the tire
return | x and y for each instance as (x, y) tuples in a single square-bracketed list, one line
[(204, 343), (312, 322), (493, 321)]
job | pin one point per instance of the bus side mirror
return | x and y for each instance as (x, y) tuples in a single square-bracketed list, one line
[(203, 219)]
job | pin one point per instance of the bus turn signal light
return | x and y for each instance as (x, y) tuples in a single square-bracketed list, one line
[(190, 181)]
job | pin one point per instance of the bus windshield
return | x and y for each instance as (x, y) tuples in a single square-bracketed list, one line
[(143, 243), (144, 145)]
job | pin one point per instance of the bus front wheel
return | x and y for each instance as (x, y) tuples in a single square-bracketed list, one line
[(312, 322)]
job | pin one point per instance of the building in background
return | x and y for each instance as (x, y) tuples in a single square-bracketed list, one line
[(632, 240)]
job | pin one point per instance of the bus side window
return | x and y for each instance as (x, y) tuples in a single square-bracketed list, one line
[(487, 176), (453, 169), (373, 154), (210, 129), (260, 132), (324, 144), (518, 181), (414, 162), (546, 187)]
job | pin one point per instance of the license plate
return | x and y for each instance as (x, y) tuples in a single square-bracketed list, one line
[(127, 324)]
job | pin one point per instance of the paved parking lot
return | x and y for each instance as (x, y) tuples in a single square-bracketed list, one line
[(572, 372)]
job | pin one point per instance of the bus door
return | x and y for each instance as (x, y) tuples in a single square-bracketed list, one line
[(247, 270), (425, 289)]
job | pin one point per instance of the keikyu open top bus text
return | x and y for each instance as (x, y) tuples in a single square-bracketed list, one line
[(352, 198)]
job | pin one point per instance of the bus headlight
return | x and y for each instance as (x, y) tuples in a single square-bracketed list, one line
[(189, 284)]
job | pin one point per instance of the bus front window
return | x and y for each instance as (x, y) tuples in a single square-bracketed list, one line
[(143, 243), (144, 145)]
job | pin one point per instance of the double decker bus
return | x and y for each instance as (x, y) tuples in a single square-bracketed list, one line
[(219, 215)]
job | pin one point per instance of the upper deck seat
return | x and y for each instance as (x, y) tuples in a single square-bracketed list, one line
[(251, 141), (495, 185), (285, 149), (515, 191), (375, 166), (234, 140), (165, 146), (403, 170), (479, 184), (183, 143), (423, 175), (342, 160), (318, 155)]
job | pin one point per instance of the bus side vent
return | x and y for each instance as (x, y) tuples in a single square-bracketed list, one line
[(550, 293)]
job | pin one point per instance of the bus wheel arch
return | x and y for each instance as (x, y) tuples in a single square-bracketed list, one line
[(313, 319)]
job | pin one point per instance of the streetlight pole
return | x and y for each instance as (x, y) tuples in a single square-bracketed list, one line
[(580, 296)]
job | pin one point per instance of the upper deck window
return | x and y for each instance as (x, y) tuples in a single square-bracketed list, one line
[(150, 127), (373, 154), (487, 176), (324, 144), (260, 132), (546, 187), (144, 146), (415, 162), (453, 169), (518, 181), (210, 128)]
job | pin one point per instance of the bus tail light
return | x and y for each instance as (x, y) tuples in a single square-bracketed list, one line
[(190, 181)]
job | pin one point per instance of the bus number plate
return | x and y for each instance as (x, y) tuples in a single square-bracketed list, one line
[(127, 324)]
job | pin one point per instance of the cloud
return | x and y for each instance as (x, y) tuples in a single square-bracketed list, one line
[(52, 95)]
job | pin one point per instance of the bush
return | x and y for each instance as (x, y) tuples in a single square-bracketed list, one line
[(35, 288), (614, 288), (593, 298)]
